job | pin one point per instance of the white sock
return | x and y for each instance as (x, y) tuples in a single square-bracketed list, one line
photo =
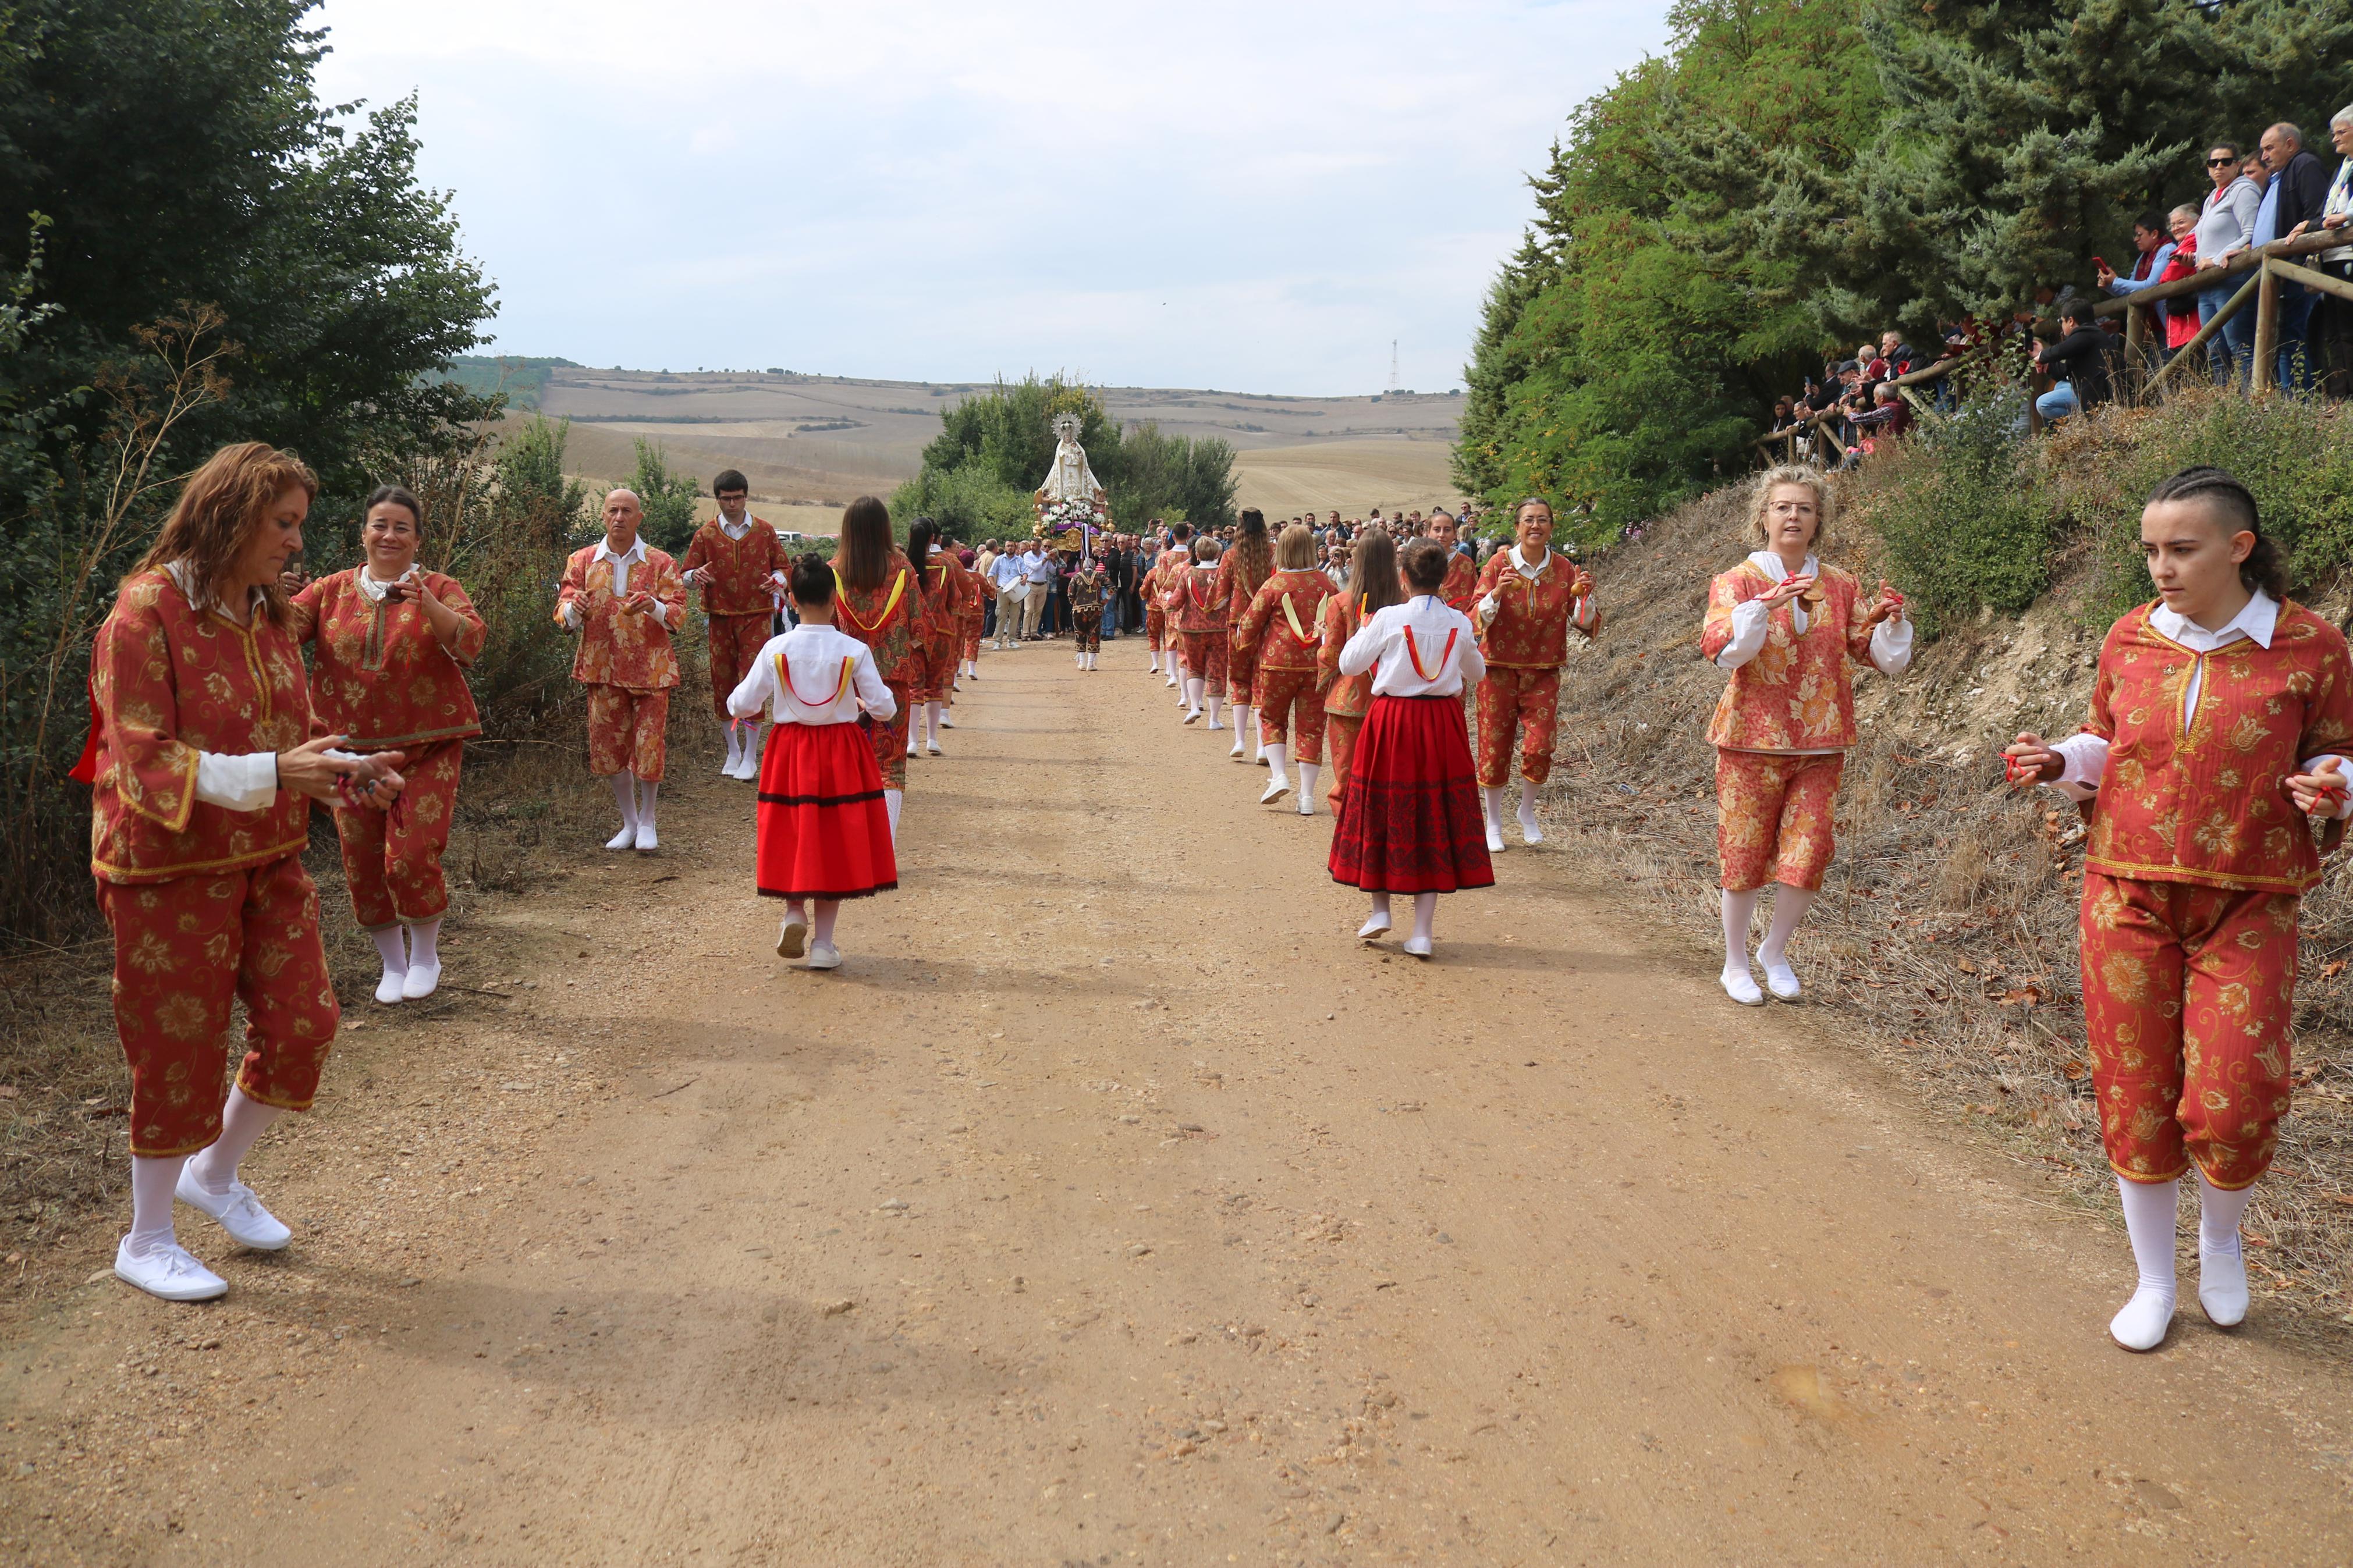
[(1214, 700), (1425, 915), (424, 943), (153, 1182), (243, 1121), (1739, 910), (892, 799), (2217, 1217), (1258, 719), (1789, 907), (938, 711), (1193, 693), (393, 948), (1491, 806), (1155, 661), (1307, 771), (2149, 1217), (1278, 769), (1528, 802), (624, 796), (646, 790)]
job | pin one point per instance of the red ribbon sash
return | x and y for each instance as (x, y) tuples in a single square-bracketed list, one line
[(1413, 652)]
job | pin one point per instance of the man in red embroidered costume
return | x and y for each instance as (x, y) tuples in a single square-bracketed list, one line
[(945, 587), (626, 598), (738, 561), (1281, 628), (1202, 636), (1787, 628), (2222, 719), (1529, 597), (201, 777)]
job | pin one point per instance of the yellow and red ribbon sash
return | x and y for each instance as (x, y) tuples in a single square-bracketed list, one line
[(1413, 652), (867, 628), (785, 674), (1292, 615)]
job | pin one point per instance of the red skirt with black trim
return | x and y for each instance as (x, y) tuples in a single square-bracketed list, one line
[(1410, 818), (825, 831)]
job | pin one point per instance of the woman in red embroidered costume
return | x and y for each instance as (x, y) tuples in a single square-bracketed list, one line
[(1787, 627), (826, 832), (878, 601), (202, 775), (1281, 631), (1410, 821), (946, 584), (1202, 637), (1242, 572), (2221, 717), (1529, 597), (1373, 585), (391, 645)]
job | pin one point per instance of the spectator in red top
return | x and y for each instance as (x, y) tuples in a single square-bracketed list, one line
[(2180, 318)]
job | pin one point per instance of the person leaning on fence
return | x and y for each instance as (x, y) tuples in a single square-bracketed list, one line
[(2226, 225), (202, 770), (2294, 204), (2332, 325), (2078, 362), (2153, 245)]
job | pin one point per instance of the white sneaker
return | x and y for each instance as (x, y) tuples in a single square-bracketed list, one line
[(1191, 714), (387, 990), (1213, 725), (823, 955), (1529, 832), (239, 1212), (1495, 838), (911, 746), (2141, 1325), (1306, 805), (946, 722), (1237, 752), (168, 1273), (934, 747), (1275, 790), (1782, 981), (421, 980), (1419, 946), (792, 936), (645, 839), (2222, 1287), (1741, 986), (624, 839), (1374, 929)]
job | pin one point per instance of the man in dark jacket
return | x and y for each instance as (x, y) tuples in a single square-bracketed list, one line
[(2302, 187), (2078, 362)]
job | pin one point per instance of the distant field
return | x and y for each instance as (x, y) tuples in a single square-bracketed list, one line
[(809, 444)]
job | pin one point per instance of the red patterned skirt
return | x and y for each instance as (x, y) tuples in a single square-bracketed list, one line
[(825, 832), (1409, 819)]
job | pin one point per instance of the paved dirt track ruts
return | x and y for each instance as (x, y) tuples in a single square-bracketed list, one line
[(1112, 1206)]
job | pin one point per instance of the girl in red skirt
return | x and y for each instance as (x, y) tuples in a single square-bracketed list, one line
[(1410, 820), (825, 831)]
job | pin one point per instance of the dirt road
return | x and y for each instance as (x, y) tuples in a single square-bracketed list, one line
[(1112, 1206)]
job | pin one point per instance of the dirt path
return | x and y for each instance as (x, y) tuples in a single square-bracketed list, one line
[(1113, 1207)]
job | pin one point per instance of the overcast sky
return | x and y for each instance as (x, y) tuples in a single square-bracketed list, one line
[(1256, 197)]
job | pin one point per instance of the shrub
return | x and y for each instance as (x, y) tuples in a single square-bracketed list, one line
[(1964, 529), (668, 498)]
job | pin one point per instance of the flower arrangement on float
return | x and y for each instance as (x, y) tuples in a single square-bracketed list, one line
[(1068, 524)]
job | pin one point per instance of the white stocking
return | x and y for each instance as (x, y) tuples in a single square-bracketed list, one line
[(1193, 693), (1739, 910), (243, 1121), (646, 790), (938, 711), (2222, 1264), (1425, 915), (1307, 771), (153, 1182), (392, 946), (827, 911), (1789, 907), (1491, 806), (1215, 697), (624, 796), (1278, 769), (2149, 1218), (1528, 827), (892, 799), (1242, 722)]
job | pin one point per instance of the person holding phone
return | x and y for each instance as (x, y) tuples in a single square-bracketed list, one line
[(391, 645), (202, 770)]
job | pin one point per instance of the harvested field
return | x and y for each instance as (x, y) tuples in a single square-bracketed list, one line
[(1349, 477)]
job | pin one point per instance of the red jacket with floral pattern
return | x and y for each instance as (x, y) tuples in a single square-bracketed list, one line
[(1194, 607), (889, 619), (1795, 695), (1533, 615), (1341, 617), (168, 681), (1282, 619), (377, 673), (619, 646), (2206, 802), (741, 569)]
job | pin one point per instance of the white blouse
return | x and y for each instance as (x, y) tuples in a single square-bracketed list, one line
[(1397, 635), (1891, 641), (829, 679)]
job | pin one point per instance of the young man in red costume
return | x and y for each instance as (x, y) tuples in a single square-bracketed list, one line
[(2222, 718), (1529, 597), (626, 599), (1280, 630), (739, 563), (1202, 635)]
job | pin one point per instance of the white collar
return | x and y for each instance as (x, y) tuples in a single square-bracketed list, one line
[(634, 553), (1520, 561), (373, 590), (2256, 623), (731, 529), (1767, 562), (178, 571)]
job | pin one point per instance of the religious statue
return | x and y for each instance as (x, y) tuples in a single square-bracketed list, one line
[(1072, 505)]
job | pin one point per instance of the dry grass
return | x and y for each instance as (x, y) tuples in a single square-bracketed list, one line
[(1945, 937), (1349, 477)]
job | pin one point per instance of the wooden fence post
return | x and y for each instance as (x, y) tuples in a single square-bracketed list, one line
[(2266, 328)]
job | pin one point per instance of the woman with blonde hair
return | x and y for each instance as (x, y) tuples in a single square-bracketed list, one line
[(1786, 625), (1281, 631), (202, 772)]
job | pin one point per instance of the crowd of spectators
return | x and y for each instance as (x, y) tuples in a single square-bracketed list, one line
[(2278, 190)]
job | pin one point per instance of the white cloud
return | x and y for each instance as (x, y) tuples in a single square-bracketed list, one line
[(1249, 197)]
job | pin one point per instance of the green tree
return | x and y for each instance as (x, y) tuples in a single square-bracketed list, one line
[(668, 498)]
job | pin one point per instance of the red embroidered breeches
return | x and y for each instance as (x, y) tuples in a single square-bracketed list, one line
[(1155, 626), (1241, 672), (891, 738), (2187, 997), (1341, 729), (183, 951), (1774, 817), (1282, 692), (970, 642), (628, 730), (1529, 700), (392, 859), (735, 644), (1205, 657)]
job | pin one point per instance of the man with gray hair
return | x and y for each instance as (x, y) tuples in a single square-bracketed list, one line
[(626, 600), (2292, 205), (2333, 317)]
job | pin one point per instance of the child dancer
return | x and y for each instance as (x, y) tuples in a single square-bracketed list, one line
[(1155, 614), (1786, 625), (1201, 631), (825, 832), (1090, 585), (2224, 711), (943, 587), (1280, 630), (1373, 585), (1410, 821), (1172, 563)]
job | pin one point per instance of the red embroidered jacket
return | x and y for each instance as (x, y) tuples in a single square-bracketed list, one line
[(1283, 621), (889, 619), (1533, 615), (619, 646), (1237, 586), (378, 674), (2205, 802), (169, 681), (1797, 695), (741, 569), (1341, 617), (1194, 607)]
